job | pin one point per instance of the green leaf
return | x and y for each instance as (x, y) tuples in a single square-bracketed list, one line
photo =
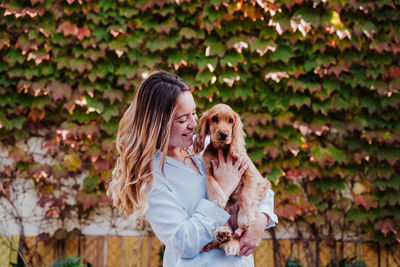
[(205, 77), (15, 123), (275, 174), (127, 11), (202, 62), (283, 53), (339, 155), (109, 112), (94, 103), (232, 59), (90, 183), (357, 215), (214, 47), (14, 56), (70, 261), (263, 46), (300, 100), (100, 33), (107, 4), (135, 39)]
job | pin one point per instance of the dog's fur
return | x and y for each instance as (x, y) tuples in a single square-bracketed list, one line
[(243, 203)]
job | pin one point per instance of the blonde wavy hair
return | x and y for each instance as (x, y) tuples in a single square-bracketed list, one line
[(144, 128)]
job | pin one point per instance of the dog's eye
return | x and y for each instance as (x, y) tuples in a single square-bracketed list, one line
[(214, 118), (230, 120)]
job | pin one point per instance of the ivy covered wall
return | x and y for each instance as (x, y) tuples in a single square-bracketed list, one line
[(317, 84)]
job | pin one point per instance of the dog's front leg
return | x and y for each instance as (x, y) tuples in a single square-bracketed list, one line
[(249, 199), (214, 191)]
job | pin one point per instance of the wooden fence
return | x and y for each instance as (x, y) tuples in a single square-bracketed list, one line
[(146, 251)]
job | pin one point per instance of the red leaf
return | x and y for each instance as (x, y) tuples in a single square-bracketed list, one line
[(113, 95), (39, 171), (36, 114), (287, 211), (68, 29), (102, 165), (87, 200), (294, 174), (59, 90), (386, 227), (83, 32), (366, 201)]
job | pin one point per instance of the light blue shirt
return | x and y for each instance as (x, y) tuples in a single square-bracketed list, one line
[(185, 221)]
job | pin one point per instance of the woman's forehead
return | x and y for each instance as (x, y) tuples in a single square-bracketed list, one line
[(185, 102)]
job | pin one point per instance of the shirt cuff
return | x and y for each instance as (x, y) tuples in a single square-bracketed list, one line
[(273, 219), (209, 209)]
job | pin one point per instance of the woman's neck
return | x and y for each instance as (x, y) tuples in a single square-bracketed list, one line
[(177, 153)]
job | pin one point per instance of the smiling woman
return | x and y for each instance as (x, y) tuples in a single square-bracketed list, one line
[(157, 176), (144, 128)]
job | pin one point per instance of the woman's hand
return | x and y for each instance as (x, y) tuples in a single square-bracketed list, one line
[(227, 173), (251, 238)]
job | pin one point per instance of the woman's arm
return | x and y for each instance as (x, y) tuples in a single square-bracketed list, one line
[(266, 218), (187, 233)]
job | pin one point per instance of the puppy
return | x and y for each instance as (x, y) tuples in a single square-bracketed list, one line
[(225, 129)]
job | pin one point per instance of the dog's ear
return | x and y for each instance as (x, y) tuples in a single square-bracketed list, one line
[(237, 148), (198, 145)]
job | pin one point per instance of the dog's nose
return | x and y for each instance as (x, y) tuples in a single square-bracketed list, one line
[(223, 135)]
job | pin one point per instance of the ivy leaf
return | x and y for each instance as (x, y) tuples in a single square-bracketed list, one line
[(188, 33), (67, 28), (100, 33), (14, 56), (127, 11), (107, 4), (205, 77), (263, 46), (275, 174), (72, 162), (214, 48), (59, 171), (283, 53), (232, 59), (109, 112), (90, 183), (15, 123), (95, 104), (300, 100), (203, 62), (113, 95), (59, 90)]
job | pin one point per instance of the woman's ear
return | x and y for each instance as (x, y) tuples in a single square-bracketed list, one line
[(237, 148), (198, 145)]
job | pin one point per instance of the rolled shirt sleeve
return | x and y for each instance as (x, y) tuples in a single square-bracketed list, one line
[(267, 206)]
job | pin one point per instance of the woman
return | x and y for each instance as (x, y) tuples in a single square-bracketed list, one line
[(156, 176)]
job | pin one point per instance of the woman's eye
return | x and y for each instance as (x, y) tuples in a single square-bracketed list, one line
[(230, 120), (214, 118)]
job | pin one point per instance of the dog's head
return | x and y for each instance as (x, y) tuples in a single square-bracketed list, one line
[(225, 129)]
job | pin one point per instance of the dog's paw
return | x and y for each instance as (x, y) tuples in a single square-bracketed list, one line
[(211, 245), (245, 219), (232, 247), (223, 234)]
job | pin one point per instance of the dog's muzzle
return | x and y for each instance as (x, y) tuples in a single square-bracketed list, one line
[(223, 136)]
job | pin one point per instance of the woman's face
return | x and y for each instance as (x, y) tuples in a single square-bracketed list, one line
[(184, 122)]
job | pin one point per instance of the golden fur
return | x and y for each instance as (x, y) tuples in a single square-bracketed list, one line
[(243, 203)]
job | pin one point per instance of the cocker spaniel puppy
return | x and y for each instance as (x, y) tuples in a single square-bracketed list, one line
[(225, 129)]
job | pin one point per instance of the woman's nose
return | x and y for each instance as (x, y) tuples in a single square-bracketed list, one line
[(192, 123)]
